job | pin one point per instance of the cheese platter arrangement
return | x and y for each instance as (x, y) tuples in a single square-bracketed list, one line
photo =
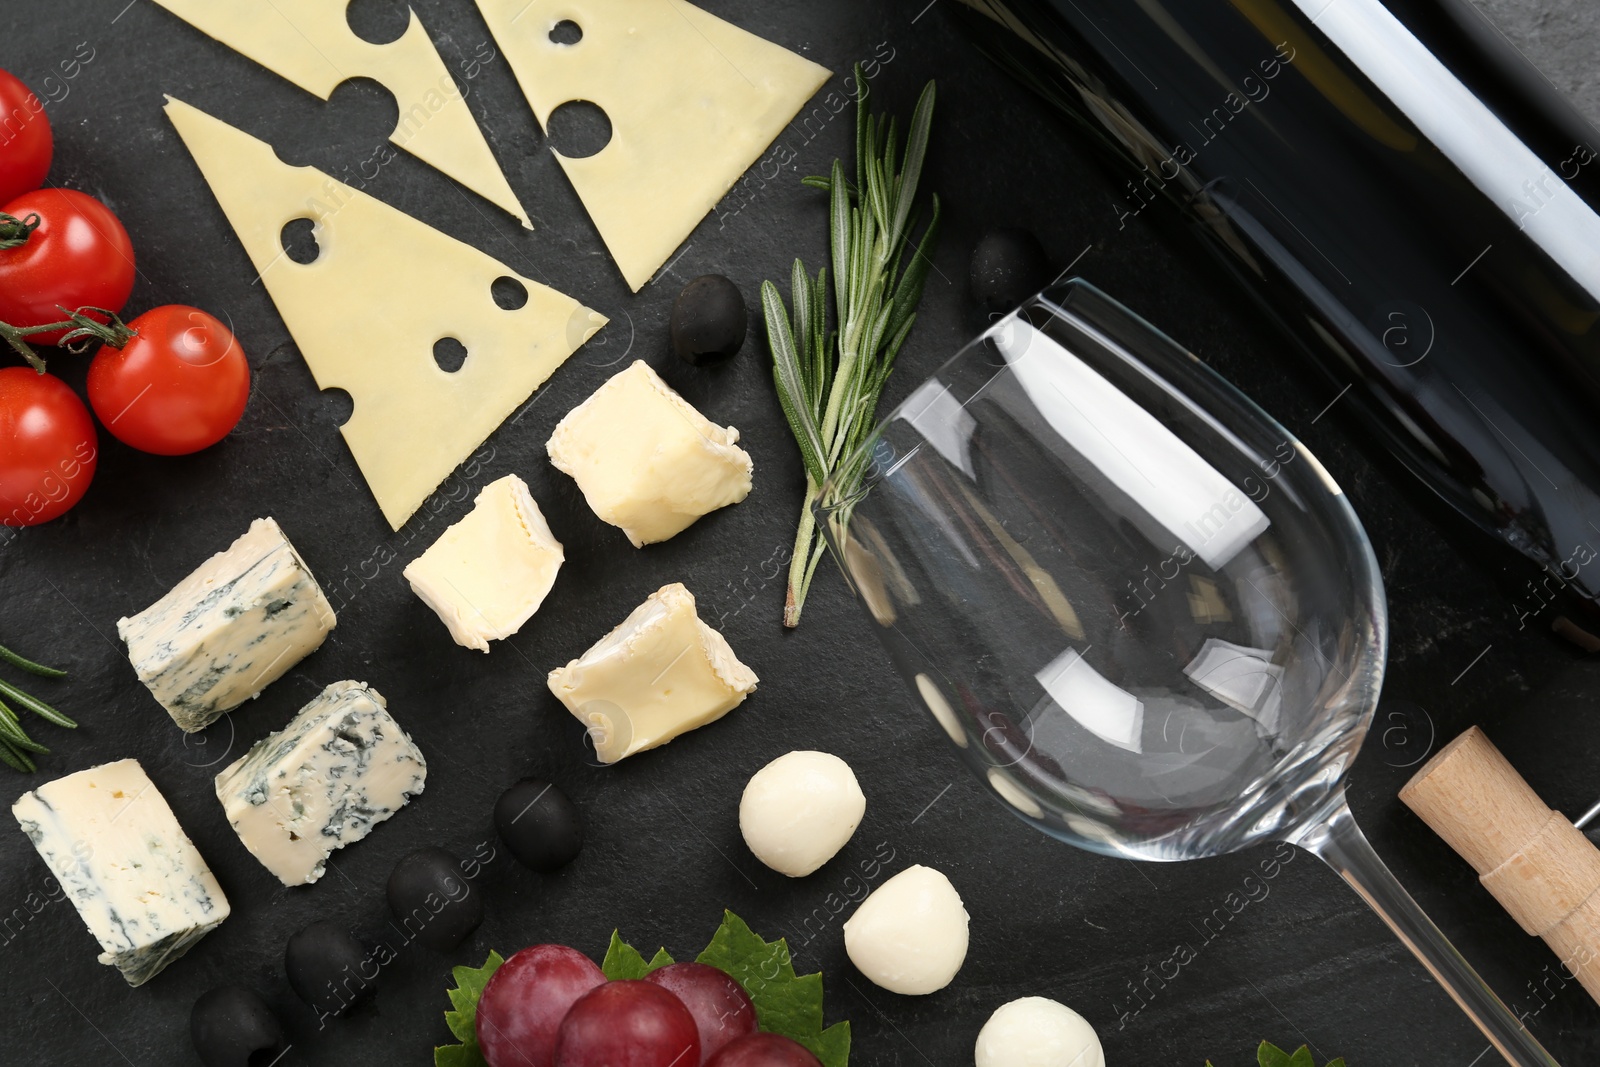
[(421, 430)]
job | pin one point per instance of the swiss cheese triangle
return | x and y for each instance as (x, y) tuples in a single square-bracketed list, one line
[(693, 102), (310, 43), (367, 312)]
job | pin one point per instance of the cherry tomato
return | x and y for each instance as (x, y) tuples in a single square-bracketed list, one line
[(80, 255), (48, 447), (178, 387), (26, 143)]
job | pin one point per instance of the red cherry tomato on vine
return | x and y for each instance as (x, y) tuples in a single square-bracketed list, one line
[(28, 144), (48, 447), (79, 255), (178, 387)]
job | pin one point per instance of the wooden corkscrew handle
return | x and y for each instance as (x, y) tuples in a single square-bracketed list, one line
[(1531, 859)]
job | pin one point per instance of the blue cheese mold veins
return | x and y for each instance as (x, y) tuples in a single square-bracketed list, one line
[(337, 770), (138, 882), (241, 621)]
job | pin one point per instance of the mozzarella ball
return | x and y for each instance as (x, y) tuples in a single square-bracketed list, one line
[(799, 810), (1037, 1032), (910, 935)]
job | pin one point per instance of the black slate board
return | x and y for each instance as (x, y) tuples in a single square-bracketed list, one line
[(1303, 961)]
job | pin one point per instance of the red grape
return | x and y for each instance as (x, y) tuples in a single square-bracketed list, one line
[(521, 1008), (764, 1050), (628, 1024), (721, 1008)]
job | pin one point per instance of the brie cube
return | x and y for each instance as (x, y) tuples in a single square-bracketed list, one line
[(138, 882), (486, 575), (646, 460), (236, 625), (661, 673), (341, 767)]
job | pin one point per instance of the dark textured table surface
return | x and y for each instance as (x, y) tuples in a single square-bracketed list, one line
[(1304, 961)]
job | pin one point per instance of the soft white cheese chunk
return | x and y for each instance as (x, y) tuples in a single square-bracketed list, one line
[(798, 811), (1038, 1032), (486, 575), (659, 674), (910, 935), (341, 767), (646, 460), (236, 625), (138, 883)]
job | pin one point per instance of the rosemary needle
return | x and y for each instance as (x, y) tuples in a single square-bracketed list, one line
[(28, 665), (35, 705), (11, 731), (14, 737), (16, 759)]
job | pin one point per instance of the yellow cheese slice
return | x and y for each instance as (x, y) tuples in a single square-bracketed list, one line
[(310, 43), (367, 312), (693, 102)]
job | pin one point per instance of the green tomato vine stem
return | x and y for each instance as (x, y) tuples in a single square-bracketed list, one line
[(14, 232), (81, 326)]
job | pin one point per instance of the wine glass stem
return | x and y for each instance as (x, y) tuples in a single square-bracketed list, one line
[(1339, 842)]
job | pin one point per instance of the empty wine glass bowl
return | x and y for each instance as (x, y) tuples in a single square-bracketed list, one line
[(1141, 609)]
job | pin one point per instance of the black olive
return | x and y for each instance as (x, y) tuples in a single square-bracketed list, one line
[(432, 901), (1008, 266), (708, 321), (539, 825), (328, 968), (230, 1025)]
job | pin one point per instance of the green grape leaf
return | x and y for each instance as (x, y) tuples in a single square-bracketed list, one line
[(462, 1021), (623, 961), (786, 1003), (1270, 1055), (832, 1046), (1301, 1057)]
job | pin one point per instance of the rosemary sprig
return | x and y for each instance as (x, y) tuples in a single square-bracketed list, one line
[(15, 744), (829, 381)]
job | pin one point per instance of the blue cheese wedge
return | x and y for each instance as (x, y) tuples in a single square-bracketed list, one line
[(661, 673), (341, 767), (236, 625), (486, 575), (138, 883), (646, 460)]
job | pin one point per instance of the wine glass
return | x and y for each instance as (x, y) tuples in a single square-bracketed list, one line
[(1143, 612)]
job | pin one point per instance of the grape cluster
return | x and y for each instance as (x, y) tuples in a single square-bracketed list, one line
[(550, 1006)]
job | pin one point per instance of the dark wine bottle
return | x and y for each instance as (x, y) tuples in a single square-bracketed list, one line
[(1407, 199)]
